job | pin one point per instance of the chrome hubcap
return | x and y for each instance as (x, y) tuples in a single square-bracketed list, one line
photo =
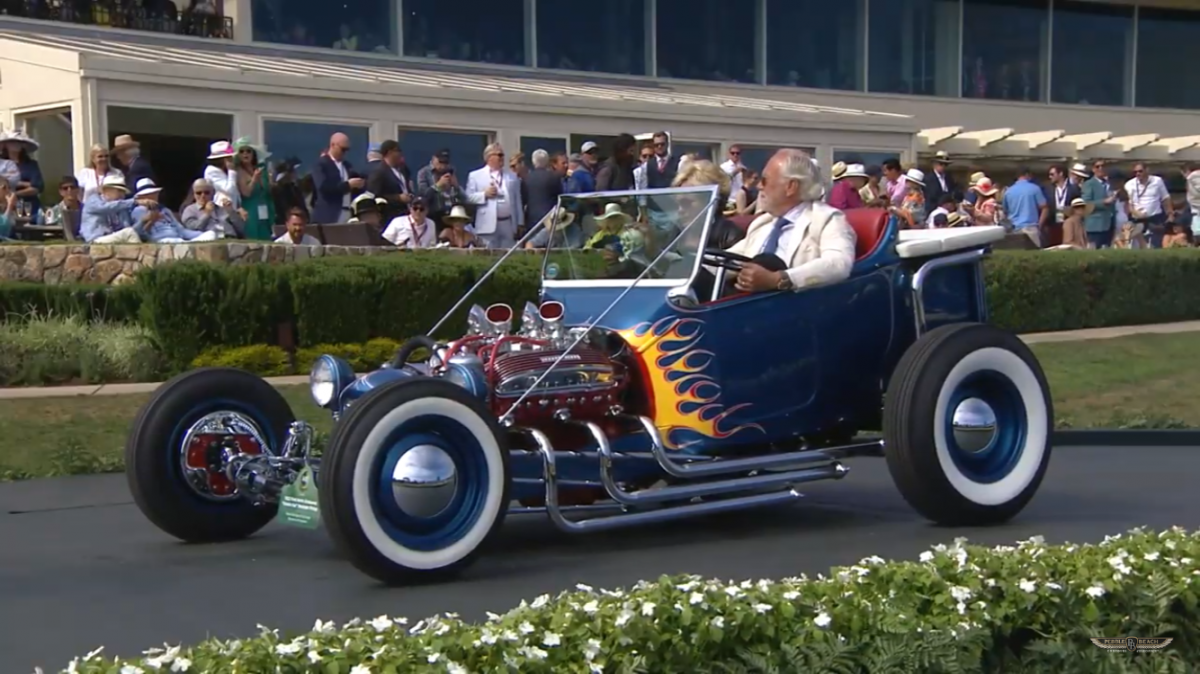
[(424, 481), (974, 425)]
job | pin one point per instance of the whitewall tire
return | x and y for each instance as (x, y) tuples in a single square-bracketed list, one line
[(415, 482), (968, 425)]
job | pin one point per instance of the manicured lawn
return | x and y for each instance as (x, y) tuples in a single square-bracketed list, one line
[(1142, 381)]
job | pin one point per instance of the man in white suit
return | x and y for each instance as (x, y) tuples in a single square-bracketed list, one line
[(497, 192), (813, 239)]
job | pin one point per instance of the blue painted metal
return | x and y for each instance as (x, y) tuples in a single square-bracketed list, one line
[(449, 526), (995, 461), (371, 381)]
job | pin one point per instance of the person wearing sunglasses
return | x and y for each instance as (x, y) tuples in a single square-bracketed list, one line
[(205, 215), (413, 230)]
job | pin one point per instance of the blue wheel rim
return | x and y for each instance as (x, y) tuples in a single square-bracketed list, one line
[(466, 507), (175, 443), (995, 461)]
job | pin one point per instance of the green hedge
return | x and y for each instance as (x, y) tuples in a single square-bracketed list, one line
[(193, 306), (1029, 608), (114, 304)]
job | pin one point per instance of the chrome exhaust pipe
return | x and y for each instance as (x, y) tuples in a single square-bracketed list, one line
[(832, 471), (555, 513)]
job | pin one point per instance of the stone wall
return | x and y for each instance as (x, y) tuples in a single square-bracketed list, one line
[(96, 263)]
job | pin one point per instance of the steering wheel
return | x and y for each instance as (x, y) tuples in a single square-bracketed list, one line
[(715, 257)]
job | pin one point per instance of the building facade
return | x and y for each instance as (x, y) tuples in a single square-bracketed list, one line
[(997, 79)]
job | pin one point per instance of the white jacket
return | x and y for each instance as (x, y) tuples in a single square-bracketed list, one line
[(485, 217), (822, 247)]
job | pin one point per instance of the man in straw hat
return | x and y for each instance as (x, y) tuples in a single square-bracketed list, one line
[(157, 223), (108, 214), (127, 156), (940, 182), (848, 179), (556, 229)]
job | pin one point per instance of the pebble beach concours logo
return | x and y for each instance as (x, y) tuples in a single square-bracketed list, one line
[(1132, 644)]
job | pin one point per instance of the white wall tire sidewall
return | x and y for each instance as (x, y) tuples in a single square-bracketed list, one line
[(1037, 435), (363, 477)]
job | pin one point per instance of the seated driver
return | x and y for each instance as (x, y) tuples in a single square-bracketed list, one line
[(799, 241)]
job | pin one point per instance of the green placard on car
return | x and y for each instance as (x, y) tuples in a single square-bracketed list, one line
[(298, 505)]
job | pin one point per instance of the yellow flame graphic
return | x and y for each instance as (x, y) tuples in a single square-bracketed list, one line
[(687, 407)]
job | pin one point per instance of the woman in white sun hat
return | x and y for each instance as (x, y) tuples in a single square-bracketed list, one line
[(459, 233), (222, 173), (987, 205), (912, 211)]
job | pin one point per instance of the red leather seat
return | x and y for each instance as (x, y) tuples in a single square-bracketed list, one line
[(869, 225)]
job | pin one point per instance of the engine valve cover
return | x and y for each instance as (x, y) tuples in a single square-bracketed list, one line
[(583, 370)]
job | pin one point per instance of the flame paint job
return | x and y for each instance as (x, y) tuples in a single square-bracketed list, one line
[(687, 397)]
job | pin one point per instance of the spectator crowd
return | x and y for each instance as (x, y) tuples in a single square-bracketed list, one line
[(241, 193)]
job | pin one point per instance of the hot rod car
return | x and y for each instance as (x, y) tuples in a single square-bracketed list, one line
[(638, 390)]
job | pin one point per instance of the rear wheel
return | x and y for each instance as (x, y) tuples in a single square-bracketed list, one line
[(176, 449), (967, 425), (415, 481)]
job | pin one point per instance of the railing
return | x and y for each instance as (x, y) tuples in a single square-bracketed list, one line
[(124, 14)]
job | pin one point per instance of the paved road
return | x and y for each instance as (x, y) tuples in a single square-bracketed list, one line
[(80, 567)]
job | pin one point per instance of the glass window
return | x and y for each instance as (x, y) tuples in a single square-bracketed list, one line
[(1167, 46), (914, 47), (307, 140), (706, 40), (1092, 76), (484, 31), (1005, 49), (466, 148), (354, 25), (685, 215), (615, 42), (828, 56), (756, 157), (551, 145), (702, 150), (864, 157)]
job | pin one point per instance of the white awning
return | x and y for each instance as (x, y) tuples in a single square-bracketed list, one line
[(1057, 144)]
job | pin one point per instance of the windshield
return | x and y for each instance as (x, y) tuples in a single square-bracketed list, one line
[(621, 235)]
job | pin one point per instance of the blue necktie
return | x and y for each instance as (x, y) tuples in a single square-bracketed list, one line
[(773, 238)]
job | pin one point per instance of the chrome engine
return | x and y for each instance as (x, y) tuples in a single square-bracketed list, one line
[(545, 367)]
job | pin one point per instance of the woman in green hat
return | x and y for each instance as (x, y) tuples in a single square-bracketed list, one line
[(254, 183)]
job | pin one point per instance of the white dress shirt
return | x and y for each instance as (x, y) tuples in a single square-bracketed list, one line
[(401, 232), (789, 230), (735, 176), (1147, 198), (503, 208), (89, 182), (306, 240)]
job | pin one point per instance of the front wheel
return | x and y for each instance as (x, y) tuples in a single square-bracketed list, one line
[(415, 481), (178, 448), (967, 425)]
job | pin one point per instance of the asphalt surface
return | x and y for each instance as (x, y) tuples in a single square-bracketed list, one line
[(80, 567)]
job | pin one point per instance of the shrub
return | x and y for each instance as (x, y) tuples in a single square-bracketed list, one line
[(114, 304), (1029, 608), (52, 350), (262, 359), (1072, 290), (364, 357)]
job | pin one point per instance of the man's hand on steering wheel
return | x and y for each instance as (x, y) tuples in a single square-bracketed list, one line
[(715, 257)]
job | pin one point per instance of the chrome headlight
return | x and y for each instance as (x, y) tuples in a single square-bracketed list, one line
[(329, 376)]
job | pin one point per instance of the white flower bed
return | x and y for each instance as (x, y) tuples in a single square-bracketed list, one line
[(1029, 607)]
